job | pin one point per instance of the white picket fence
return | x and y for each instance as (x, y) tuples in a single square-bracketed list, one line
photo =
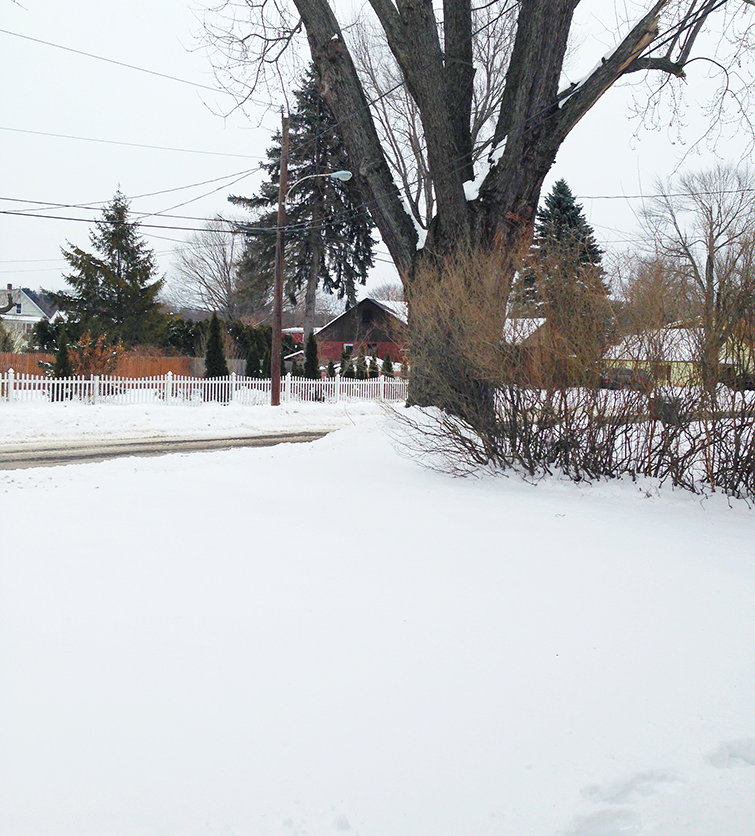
[(178, 389)]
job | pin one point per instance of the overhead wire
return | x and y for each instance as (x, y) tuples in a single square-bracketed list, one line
[(130, 144)]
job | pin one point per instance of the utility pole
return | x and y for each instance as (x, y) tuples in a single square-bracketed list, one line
[(275, 359)]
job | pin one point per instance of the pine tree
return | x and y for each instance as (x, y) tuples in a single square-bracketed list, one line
[(373, 371), (215, 364), (564, 251), (361, 365), (311, 360), (331, 371), (328, 235), (252, 368), (387, 366), (114, 290)]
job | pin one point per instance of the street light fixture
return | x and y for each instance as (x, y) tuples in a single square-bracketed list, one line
[(283, 192)]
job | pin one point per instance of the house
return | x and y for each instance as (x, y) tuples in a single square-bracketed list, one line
[(378, 327), (669, 354), (28, 309)]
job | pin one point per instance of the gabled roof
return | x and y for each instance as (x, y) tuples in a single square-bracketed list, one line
[(399, 313), (518, 329), (668, 345)]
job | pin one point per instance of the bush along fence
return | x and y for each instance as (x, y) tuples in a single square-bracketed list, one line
[(179, 389)]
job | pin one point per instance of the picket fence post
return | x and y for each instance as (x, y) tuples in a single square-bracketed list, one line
[(287, 388), (95, 388), (168, 388), (11, 379), (338, 387), (233, 386), (382, 387)]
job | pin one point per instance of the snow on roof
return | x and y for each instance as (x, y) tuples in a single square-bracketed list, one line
[(399, 309), (669, 345), (518, 329)]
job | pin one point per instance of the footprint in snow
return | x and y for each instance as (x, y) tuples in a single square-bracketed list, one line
[(733, 753), (614, 822)]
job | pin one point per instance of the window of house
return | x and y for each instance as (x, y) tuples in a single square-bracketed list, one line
[(348, 348), (18, 308), (366, 316)]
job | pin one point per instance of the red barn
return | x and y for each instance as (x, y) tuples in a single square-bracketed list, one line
[(379, 327)]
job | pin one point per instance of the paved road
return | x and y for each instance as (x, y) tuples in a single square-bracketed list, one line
[(45, 454)]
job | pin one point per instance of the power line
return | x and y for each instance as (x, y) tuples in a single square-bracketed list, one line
[(130, 144), (113, 61)]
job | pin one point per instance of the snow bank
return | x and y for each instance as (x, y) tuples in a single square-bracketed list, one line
[(327, 638)]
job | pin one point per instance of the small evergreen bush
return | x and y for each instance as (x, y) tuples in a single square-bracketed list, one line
[(215, 364)]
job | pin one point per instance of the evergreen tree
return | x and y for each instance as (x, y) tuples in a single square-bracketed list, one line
[(311, 360), (373, 371), (331, 371), (404, 369), (215, 364), (114, 290), (347, 367), (564, 251), (387, 366), (328, 234), (253, 362), (361, 365), (296, 369), (62, 367), (267, 371)]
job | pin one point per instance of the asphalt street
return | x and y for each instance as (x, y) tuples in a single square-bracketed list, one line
[(47, 454)]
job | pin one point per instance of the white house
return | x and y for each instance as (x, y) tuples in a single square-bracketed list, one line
[(29, 308)]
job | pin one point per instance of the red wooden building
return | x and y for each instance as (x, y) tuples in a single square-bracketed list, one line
[(379, 327)]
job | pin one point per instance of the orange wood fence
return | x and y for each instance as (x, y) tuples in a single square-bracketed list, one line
[(129, 366)]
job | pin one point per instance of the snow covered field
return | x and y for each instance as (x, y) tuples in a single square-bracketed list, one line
[(311, 639)]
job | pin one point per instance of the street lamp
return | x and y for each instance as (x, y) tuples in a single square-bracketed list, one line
[(283, 192)]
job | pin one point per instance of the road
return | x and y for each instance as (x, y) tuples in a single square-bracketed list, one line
[(48, 453)]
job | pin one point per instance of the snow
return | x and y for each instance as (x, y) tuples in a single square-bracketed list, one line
[(472, 187), (326, 637), (39, 421)]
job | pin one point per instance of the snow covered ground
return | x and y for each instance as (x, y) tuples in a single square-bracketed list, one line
[(32, 422), (311, 639)]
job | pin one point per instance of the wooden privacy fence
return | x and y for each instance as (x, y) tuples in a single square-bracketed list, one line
[(129, 365), (181, 389)]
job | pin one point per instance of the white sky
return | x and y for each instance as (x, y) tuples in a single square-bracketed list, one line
[(49, 90)]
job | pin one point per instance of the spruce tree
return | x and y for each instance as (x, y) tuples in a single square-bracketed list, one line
[(296, 369), (114, 290), (563, 252), (373, 371), (311, 360), (328, 235), (62, 366), (252, 368), (215, 364), (387, 366), (347, 367), (331, 371)]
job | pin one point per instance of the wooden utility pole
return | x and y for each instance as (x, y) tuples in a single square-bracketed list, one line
[(275, 359)]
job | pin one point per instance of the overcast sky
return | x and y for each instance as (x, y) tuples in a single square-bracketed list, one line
[(47, 90)]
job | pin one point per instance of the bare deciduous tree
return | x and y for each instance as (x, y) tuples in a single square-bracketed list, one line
[(703, 225), (205, 271), (491, 207)]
